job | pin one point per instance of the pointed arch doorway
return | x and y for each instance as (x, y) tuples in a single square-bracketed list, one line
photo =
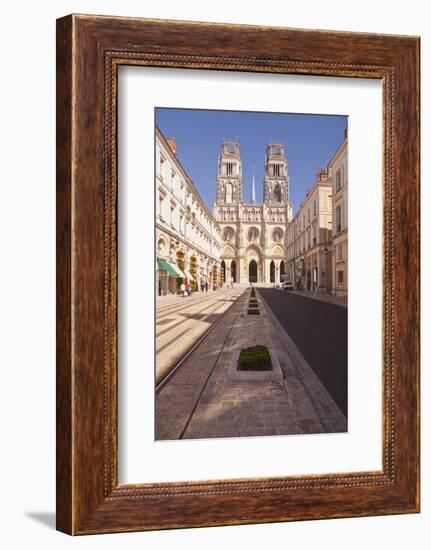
[(223, 270), (233, 271), (252, 271), (272, 272), (283, 272)]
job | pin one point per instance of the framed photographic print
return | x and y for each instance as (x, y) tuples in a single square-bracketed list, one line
[(276, 362), (237, 274)]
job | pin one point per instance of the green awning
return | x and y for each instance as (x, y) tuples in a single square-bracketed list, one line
[(177, 271), (166, 266)]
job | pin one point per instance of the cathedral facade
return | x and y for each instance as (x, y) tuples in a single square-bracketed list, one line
[(253, 236)]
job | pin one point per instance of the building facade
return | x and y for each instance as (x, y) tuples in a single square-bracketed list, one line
[(309, 239), (253, 248), (187, 235), (338, 171), (247, 242)]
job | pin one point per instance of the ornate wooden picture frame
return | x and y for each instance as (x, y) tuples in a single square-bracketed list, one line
[(89, 51)]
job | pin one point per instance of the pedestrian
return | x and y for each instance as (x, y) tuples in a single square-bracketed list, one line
[(206, 286), (183, 289)]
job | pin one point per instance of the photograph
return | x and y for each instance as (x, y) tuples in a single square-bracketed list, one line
[(213, 317), (251, 273)]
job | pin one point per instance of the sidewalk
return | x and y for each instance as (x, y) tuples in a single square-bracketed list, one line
[(328, 298), (180, 324), (162, 301)]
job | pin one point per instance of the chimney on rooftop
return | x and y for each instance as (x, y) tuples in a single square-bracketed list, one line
[(172, 142), (322, 174)]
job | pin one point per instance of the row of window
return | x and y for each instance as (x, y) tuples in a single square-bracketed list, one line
[(250, 217), (203, 222), (306, 244), (229, 196), (172, 174), (229, 169), (181, 194), (307, 240), (338, 251), (181, 221), (306, 215), (199, 214), (276, 169)]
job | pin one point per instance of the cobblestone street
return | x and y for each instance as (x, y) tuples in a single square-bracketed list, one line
[(203, 400)]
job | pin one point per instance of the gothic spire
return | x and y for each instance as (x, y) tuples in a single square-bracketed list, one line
[(253, 190)]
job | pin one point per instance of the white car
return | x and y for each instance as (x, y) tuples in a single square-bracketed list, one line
[(287, 285)]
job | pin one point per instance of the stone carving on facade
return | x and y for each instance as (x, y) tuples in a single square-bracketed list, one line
[(253, 234), (228, 234), (277, 235), (161, 245)]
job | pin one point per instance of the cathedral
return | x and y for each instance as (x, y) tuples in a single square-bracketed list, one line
[(253, 235)]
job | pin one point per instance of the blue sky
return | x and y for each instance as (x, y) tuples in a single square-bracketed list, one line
[(310, 141)]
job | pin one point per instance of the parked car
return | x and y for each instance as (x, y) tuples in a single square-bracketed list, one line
[(287, 285)]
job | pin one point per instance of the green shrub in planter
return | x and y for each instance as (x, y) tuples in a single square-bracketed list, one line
[(256, 358)]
